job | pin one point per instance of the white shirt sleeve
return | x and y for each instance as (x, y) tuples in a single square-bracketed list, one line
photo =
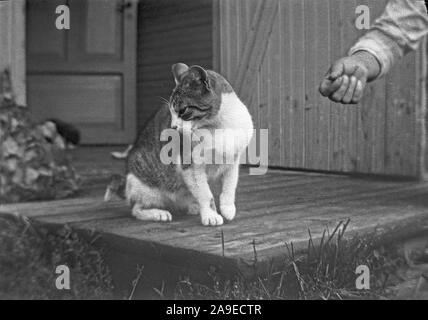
[(397, 31)]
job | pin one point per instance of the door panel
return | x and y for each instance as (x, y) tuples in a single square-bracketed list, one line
[(85, 75), (100, 35), (44, 41), (84, 100)]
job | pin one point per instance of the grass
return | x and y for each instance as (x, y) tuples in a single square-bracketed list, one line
[(325, 271), (29, 255)]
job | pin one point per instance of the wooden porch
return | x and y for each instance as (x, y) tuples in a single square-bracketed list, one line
[(273, 209)]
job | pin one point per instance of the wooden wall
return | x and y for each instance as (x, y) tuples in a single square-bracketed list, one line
[(169, 31), (12, 45), (275, 52)]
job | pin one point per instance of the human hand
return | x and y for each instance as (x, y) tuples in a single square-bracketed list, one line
[(347, 77)]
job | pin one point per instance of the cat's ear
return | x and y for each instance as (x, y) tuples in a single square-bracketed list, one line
[(178, 70), (199, 74)]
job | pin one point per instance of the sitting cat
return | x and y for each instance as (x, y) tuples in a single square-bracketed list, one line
[(201, 99)]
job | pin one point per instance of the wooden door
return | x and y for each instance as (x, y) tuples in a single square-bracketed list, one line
[(85, 75)]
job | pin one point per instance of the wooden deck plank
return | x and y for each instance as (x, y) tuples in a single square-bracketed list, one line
[(190, 228), (279, 231), (293, 216), (403, 225), (59, 207), (347, 190), (75, 211), (268, 233), (284, 228)]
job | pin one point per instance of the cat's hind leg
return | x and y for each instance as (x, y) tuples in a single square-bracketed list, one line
[(193, 208), (185, 202), (150, 214), (148, 203)]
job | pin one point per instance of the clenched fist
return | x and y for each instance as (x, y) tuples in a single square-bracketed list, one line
[(347, 77)]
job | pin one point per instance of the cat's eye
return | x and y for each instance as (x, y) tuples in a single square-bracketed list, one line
[(186, 114), (182, 111)]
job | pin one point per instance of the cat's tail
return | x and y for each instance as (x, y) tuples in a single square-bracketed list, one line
[(121, 155), (115, 187)]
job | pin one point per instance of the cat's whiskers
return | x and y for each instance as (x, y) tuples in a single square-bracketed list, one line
[(162, 99)]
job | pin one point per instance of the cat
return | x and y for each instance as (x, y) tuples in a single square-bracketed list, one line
[(201, 99)]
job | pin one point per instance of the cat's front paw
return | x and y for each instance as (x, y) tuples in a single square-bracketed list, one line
[(211, 218), (228, 211)]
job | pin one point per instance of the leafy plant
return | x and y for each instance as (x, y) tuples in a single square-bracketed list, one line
[(31, 167)]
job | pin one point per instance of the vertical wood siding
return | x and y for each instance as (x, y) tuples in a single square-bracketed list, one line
[(12, 45), (381, 135), (169, 31)]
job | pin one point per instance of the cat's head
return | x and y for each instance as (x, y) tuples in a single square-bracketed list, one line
[(196, 99)]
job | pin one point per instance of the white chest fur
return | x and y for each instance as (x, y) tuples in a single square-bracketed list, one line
[(235, 122), (224, 138)]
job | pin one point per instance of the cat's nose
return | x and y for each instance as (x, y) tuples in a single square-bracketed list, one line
[(174, 126)]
